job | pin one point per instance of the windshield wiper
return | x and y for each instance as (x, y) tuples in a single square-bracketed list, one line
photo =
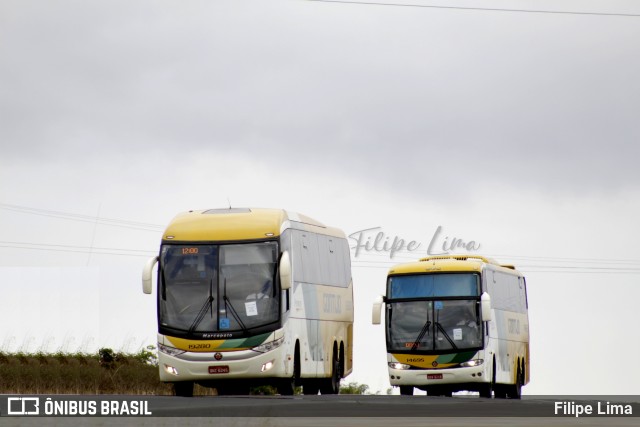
[(203, 311), (441, 329), (423, 331), (227, 304)]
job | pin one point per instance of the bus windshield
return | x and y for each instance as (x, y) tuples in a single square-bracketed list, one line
[(433, 325), (218, 288), (433, 312)]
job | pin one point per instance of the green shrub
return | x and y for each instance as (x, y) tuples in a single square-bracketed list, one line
[(105, 372)]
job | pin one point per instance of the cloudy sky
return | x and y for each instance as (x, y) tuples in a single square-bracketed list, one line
[(516, 130)]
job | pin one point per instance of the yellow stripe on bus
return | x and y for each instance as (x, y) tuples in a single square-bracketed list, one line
[(422, 361)]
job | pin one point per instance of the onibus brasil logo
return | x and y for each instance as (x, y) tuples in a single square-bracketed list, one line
[(29, 405)]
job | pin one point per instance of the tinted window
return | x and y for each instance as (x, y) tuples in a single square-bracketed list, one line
[(433, 285)]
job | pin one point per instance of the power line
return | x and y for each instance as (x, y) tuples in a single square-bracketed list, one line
[(76, 249), (580, 272), (482, 9), (355, 263), (415, 255), (566, 267), (539, 265), (70, 246), (83, 218), (603, 265)]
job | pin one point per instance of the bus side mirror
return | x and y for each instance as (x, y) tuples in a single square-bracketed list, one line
[(147, 275), (376, 311), (285, 271), (485, 307)]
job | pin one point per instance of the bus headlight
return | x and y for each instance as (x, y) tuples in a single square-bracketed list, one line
[(268, 346), (171, 351), (171, 370), (396, 365), (267, 366), (472, 363)]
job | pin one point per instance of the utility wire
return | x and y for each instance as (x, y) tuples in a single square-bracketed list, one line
[(355, 263), (415, 255), (539, 264), (53, 246), (96, 251), (83, 218), (536, 265), (482, 9)]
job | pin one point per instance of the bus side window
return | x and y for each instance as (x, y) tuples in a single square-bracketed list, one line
[(311, 258), (296, 256), (526, 297)]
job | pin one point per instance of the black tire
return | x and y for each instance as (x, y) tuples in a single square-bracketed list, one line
[(297, 367), (331, 385), (310, 387), (500, 391), (183, 389), (406, 390), (515, 391), (287, 386), (486, 390)]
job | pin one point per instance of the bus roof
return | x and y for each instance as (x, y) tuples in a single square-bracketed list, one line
[(448, 263), (232, 224)]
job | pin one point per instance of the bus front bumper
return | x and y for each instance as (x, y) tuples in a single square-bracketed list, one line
[(437, 377), (192, 366)]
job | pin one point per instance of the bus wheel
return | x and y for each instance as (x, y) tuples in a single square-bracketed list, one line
[(499, 391), (183, 389), (310, 387), (515, 391), (287, 386), (331, 385), (406, 390), (486, 391)]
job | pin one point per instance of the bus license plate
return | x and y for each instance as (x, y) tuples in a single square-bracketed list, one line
[(434, 376), (218, 369)]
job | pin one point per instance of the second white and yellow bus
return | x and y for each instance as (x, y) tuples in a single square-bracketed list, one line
[(456, 323)]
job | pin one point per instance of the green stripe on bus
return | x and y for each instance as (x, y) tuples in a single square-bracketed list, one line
[(245, 342), (456, 357)]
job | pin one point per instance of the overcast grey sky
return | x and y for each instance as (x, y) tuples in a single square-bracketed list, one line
[(517, 130)]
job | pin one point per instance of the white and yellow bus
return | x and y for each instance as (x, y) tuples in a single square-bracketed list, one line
[(250, 297), (456, 323)]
